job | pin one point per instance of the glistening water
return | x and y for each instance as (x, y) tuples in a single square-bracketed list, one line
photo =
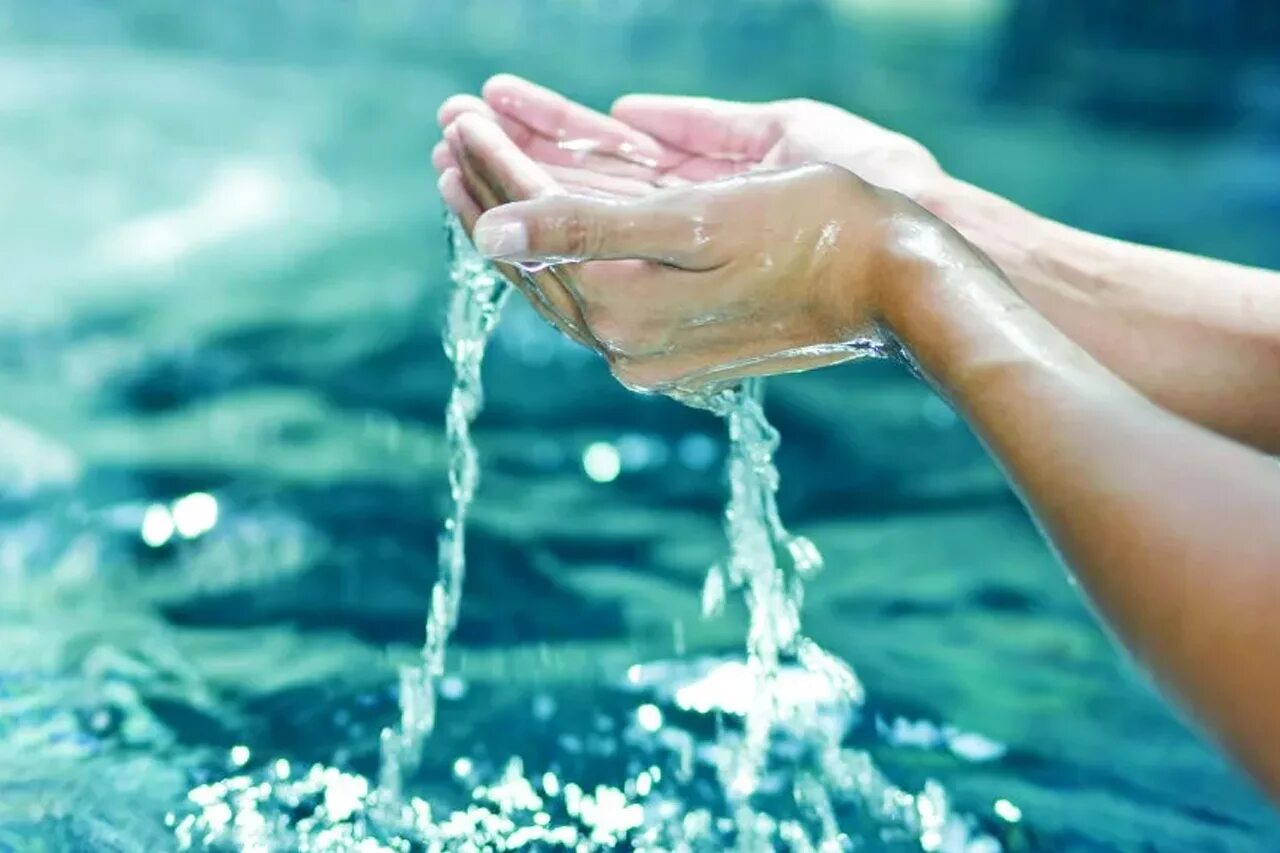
[(785, 780), (474, 308), (224, 281)]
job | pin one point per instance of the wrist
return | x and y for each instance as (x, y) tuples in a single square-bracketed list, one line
[(1011, 236), (939, 297)]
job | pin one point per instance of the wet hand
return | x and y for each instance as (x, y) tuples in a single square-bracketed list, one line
[(696, 286), (656, 141)]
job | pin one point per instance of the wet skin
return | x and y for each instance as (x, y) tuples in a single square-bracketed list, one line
[(1070, 355)]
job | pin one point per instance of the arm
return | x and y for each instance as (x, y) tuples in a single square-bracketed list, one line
[(1173, 531), (1198, 336)]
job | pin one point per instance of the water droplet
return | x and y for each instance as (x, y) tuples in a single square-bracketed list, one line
[(649, 717), (601, 462), (195, 514), (157, 525), (1007, 811)]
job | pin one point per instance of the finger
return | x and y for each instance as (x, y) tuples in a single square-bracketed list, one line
[(697, 169), (509, 173), (458, 199), (480, 190), (581, 181), (665, 226), (442, 158), (592, 155), (556, 117), (458, 105), (551, 294), (705, 126)]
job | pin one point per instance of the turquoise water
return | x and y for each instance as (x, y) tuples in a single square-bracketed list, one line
[(224, 274)]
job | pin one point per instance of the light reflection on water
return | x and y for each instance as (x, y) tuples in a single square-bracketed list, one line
[(665, 798), (285, 361)]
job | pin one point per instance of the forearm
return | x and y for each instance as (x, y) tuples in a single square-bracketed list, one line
[(1200, 337), (1173, 531)]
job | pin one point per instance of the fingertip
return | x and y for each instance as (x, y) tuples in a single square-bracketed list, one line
[(501, 79), (499, 235), (442, 157), (631, 103), (450, 186), (503, 90), (471, 125), (454, 193), (620, 104), (474, 135), (457, 105)]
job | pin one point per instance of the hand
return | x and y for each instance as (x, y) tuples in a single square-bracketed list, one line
[(653, 141), (751, 275)]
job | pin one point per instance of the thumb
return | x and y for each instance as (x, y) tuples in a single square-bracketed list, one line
[(663, 227)]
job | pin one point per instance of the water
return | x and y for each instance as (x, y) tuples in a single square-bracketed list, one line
[(787, 690), (474, 309), (774, 593), (244, 302)]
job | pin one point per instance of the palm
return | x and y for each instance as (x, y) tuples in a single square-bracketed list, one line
[(649, 146), (522, 141), (657, 141)]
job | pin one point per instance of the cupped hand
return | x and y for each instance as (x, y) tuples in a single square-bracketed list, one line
[(695, 286), (656, 141)]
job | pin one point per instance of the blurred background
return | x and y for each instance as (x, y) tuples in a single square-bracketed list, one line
[(222, 275)]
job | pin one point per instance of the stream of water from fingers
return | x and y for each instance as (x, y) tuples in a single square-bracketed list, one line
[(786, 778)]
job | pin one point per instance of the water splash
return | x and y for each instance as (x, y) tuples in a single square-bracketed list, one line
[(474, 308), (786, 780), (770, 582), (769, 564)]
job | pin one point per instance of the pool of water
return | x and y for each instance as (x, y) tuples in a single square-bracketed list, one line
[(225, 276)]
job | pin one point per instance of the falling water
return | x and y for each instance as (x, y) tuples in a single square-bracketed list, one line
[(789, 689), (474, 308), (770, 564)]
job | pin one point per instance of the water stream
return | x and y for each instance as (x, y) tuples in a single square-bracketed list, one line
[(474, 308), (785, 777)]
